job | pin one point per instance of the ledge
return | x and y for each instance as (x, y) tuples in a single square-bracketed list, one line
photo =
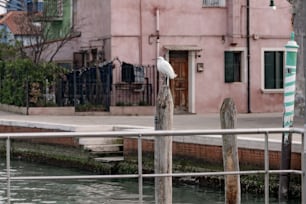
[(67, 110), (132, 110)]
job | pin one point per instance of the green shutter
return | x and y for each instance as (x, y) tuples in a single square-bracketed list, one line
[(229, 67), (237, 63), (279, 69), (269, 70)]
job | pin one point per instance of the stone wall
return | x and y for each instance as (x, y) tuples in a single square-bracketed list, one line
[(212, 154), (67, 141)]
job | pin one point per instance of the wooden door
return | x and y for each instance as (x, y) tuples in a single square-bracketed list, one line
[(179, 86)]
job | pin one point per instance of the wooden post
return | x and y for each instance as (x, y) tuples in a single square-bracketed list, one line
[(230, 152), (163, 146), (284, 178)]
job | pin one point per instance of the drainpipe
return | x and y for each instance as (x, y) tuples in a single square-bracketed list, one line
[(157, 33), (248, 53), (72, 14), (140, 32), (157, 55), (157, 45)]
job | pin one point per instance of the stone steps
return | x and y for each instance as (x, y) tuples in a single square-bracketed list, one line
[(109, 159), (97, 141), (104, 149)]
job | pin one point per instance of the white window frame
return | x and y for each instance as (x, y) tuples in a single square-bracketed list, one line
[(65, 62), (263, 50), (60, 8), (58, 5), (243, 71), (214, 3)]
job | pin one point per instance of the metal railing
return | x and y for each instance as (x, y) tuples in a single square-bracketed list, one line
[(142, 134)]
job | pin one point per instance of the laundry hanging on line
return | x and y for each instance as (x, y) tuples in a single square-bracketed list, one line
[(131, 73)]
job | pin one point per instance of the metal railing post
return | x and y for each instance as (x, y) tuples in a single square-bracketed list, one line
[(303, 167), (140, 179), (267, 168), (8, 167), (8, 136)]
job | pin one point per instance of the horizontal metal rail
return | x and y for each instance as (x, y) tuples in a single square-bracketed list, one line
[(145, 133), (217, 173)]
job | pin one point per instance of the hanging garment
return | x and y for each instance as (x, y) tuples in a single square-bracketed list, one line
[(139, 74), (127, 72), (106, 74)]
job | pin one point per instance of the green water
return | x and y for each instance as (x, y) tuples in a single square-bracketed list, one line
[(99, 191)]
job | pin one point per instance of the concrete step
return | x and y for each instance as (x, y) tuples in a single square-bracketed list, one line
[(109, 159), (102, 141), (93, 128), (106, 153), (104, 148)]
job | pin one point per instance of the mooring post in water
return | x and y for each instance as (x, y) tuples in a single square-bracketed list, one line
[(230, 152), (289, 98), (163, 146)]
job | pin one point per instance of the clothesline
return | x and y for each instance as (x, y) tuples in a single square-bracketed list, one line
[(136, 65)]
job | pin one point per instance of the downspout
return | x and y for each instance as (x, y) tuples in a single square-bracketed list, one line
[(248, 54), (140, 32), (157, 45), (157, 33), (72, 15)]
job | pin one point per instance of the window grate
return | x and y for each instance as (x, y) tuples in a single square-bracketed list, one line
[(60, 8), (214, 3), (54, 8)]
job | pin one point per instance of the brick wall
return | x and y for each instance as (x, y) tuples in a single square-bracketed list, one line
[(213, 154), (68, 141)]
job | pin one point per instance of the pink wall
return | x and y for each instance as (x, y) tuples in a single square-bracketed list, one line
[(273, 28), (126, 26), (93, 19)]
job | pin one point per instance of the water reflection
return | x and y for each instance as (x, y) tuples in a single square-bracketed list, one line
[(87, 191)]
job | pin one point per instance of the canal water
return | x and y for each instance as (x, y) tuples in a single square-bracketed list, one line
[(98, 191)]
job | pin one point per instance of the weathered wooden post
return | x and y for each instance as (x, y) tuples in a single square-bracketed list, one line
[(230, 152), (163, 146)]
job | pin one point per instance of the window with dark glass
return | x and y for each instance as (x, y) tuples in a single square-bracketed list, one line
[(232, 61), (53, 8), (273, 69)]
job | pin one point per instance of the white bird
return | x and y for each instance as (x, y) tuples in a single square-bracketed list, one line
[(165, 68)]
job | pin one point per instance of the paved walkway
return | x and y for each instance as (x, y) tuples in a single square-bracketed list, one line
[(180, 122)]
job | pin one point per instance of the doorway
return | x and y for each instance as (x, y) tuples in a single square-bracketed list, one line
[(179, 86)]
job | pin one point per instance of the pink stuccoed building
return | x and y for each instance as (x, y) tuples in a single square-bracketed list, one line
[(218, 48)]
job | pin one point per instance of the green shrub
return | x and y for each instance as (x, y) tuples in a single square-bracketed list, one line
[(20, 77)]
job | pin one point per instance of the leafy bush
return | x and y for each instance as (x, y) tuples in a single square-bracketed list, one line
[(21, 76)]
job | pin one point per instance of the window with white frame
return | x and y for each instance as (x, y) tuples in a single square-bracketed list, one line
[(54, 8), (214, 3), (233, 66), (273, 70), (60, 7)]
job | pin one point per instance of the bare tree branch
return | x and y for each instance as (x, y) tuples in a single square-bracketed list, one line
[(37, 31)]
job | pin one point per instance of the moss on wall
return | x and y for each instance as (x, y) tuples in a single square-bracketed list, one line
[(76, 157)]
